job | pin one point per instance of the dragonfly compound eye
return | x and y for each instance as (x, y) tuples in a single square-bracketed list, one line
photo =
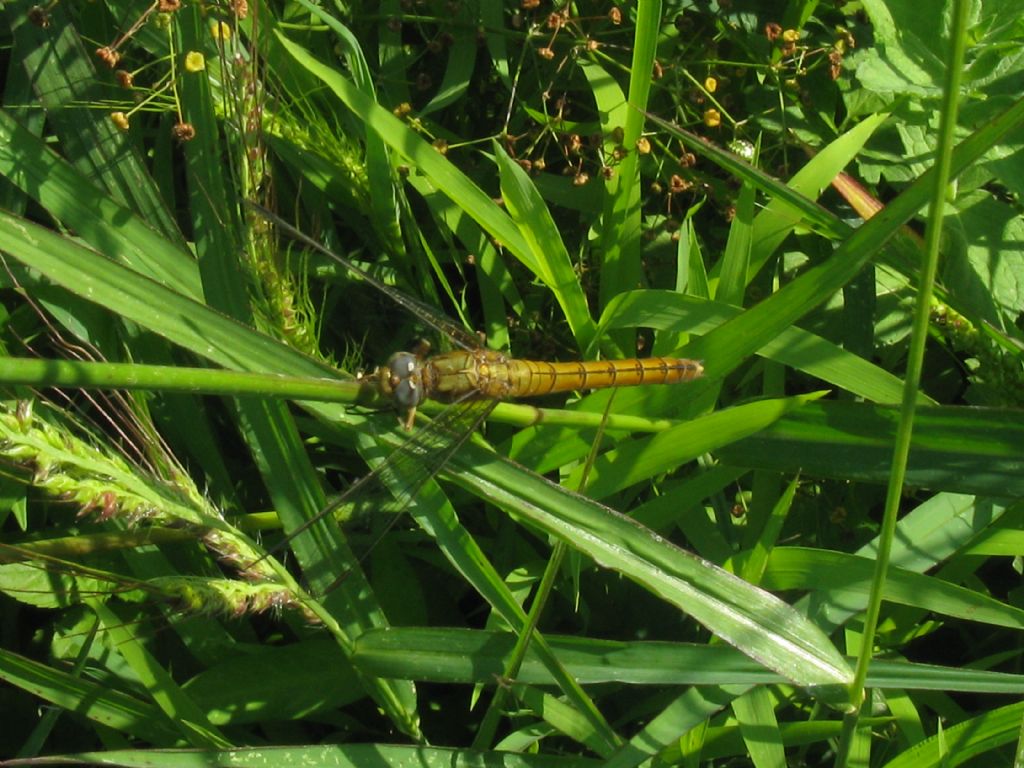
[(405, 380)]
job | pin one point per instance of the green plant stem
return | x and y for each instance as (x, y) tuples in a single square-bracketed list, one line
[(165, 378), (40, 373), (488, 726), (901, 450)]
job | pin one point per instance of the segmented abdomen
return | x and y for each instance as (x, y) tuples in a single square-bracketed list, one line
[(491, 374)]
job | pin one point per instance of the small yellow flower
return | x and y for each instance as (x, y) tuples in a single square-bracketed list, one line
[(643, 146), (712, 118), (220, 30), (120, 119), (710, 84), (791, 35), (195, 61)]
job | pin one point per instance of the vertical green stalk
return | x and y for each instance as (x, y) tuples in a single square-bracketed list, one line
[(603, 735), (620, 234), (919, 334)]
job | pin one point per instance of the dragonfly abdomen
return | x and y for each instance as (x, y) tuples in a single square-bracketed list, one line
[(532, 378), (489, 374)]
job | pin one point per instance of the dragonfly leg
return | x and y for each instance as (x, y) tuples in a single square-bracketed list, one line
[(410, 419)]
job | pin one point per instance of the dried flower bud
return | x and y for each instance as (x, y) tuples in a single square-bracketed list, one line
[(39, 16), (677, 184), (183, 132), (108, 56), (835, 64)]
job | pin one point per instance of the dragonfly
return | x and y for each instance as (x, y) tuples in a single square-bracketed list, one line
[(471, 379)]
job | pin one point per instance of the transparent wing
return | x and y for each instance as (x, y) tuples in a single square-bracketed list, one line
[(394, 484), (427, 314)]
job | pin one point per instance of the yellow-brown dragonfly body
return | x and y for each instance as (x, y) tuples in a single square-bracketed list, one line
[(407, 379)]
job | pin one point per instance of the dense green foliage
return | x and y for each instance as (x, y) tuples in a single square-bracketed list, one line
[(818, 201)]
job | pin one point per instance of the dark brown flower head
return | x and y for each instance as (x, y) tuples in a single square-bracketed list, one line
[(678, 184), (39, 16), (108, 56), (183, 131)]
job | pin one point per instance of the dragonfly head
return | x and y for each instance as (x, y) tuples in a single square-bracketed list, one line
[(401, 380)]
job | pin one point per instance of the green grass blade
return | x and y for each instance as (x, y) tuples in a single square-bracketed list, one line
[(112, 708), (810, 569), (67, 83), (792, 346), (728, 346), (550, 258), (637, 460), (757, 623), (621, 218), (953, 449), (176, 705), (755, 713), (99, 220), (420, 154)]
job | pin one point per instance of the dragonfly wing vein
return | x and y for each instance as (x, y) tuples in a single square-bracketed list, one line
[(409, 467)]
